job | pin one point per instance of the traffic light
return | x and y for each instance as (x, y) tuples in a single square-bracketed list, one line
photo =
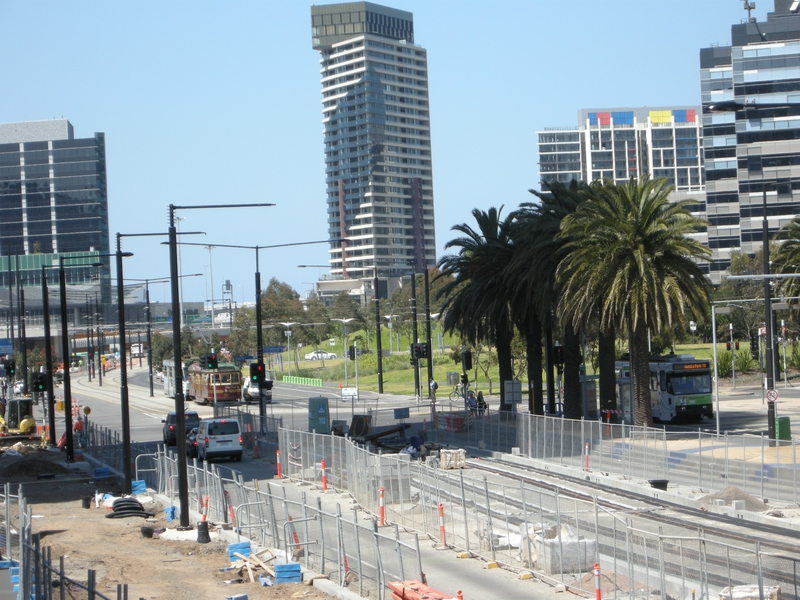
[(754, 345), (736, 346), (464, 379), (424, 350), (203, 361), (558, 355), (466, 360), (211, 361), (414, 352), (40, 382), (728, 346), (351, 353), (257, 373), (11, 367)]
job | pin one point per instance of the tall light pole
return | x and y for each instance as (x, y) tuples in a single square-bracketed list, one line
[(344, 323), (48, 358), (180, 421), (62, 283)]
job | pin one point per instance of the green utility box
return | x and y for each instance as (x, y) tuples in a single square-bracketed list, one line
[(783, 428), (319, 417)]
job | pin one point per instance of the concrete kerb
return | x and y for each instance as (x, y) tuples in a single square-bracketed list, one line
[(326, 586)]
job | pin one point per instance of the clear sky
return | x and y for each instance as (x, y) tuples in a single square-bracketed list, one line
[(219, 102)]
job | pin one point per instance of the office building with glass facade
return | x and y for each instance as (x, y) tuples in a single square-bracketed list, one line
[(752, 152), (621, 143), (53, 203), (376, 124)]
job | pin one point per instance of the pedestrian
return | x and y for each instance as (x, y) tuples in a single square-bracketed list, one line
[(481, 404), (433, 387), (473, 405)]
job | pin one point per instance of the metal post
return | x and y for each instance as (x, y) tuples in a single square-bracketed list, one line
[(768, 341), (62, 284), (378, 332), (48, 358), (149, 336), (415, 333), (714, 352), (180, 421), (123, 376), (428, 325)]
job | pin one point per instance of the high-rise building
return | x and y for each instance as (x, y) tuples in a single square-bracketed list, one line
[(749, 153), (621, 143), (53, 203), (376, 120)]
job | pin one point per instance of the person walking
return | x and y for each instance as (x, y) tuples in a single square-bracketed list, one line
[(481, 404), (433, 387)]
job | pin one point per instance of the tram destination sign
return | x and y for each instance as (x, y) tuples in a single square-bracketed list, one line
[(695, 366)]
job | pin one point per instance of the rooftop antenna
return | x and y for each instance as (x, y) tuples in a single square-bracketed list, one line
[(749, 6)]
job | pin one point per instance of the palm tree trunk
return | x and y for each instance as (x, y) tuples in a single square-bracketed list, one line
[(573, 407), (533, 347), (504, 367), (640, 375), (608, 376)]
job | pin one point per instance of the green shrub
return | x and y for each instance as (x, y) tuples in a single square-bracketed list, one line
[(724, 363), (745, 362)]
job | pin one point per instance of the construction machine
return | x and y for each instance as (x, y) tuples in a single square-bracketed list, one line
[(19, 417)]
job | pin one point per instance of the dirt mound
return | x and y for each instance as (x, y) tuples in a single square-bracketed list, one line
[(731, 493), (31, 464)]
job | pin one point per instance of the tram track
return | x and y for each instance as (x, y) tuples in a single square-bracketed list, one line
[(772, 536)]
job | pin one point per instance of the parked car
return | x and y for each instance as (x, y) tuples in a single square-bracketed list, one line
[(217, 438), (191, 443), (320, 355), (191, 420)]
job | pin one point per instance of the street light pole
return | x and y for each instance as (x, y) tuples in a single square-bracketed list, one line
[(149, 339), (123, 373), (48, 358), (378, 348), (62, 289)]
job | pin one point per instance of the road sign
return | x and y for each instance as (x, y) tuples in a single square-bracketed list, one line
[(692, 326), (245, 357), (772, 395), (6, 347), (274, 349)]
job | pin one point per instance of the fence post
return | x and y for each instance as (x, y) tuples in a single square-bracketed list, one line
[(358, 552), (489, 517), (760, 572), (464, 509)]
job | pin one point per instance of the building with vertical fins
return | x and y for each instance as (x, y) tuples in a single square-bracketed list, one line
[(749, 154), (53, 203), (376, 125)]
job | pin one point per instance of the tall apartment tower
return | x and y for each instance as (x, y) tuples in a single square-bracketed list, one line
[(748, 154), (53, 203), (621, 143), (376, 119)]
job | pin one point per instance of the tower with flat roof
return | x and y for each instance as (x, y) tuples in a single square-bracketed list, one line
[(748, 154), (376, 126)]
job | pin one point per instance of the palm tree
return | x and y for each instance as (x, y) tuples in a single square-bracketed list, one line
[(475, 300), (539, 251), (786, 259), (629, 250)]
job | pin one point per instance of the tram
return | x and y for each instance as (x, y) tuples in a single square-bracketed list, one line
[(680, 388)]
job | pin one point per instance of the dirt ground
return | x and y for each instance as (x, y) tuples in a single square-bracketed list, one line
[(156, 569)]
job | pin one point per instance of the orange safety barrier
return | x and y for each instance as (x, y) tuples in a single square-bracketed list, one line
[(278, 462), (416, 590), (597, 592), (381, 507), (441, 526), (62, 441), (586, 457), (294, 533), (205, 509), (324, 476)]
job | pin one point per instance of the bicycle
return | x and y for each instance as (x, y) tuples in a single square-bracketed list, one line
[(458, 392)]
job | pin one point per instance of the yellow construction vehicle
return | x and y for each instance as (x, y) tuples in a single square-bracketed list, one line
[(19, 417)]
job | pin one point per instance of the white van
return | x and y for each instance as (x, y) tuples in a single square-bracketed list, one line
[(218, 438)]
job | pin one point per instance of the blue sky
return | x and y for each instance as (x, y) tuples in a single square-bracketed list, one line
[(219, 102)]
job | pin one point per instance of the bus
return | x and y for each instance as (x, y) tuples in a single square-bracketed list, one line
[(207, 386), (680, 388)]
